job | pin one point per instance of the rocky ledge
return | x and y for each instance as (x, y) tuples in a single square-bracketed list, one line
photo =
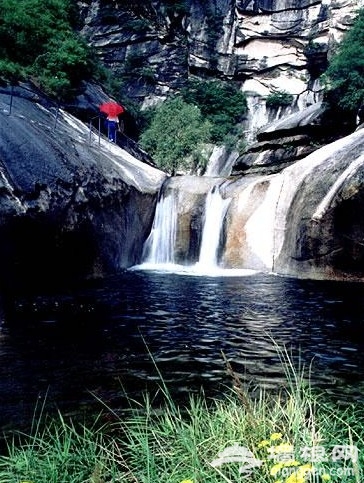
[(72, 205)]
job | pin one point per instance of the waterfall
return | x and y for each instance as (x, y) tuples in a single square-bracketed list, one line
[(159, 246), (221, 162), (215, 211), (257, 117)]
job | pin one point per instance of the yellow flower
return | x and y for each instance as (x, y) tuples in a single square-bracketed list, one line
[(299, 476), (276, 469), (263, 443), (187, 481), (325, 477), (283, 448), (295, 478), (276, 436)]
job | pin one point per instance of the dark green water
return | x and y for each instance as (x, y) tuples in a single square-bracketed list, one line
[(68, 347)]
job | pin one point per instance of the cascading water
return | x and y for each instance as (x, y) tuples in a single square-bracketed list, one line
[(159, 246), (215, 211)]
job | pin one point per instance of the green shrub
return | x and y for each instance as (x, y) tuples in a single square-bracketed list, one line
[(63, 66), (176, 135), (10, 71), (279, 99), (344, 78), (37, 39), (220, 102)]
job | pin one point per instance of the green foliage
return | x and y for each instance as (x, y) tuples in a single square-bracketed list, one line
[(63, 66), (61, 452), (176, 135), (177, 130), (221, 103), (313, 48), (344, 77), (10, 71), (279, 99), (37, 39)]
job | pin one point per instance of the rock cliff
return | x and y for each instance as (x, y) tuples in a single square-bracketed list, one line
[(72, 205), (305, 221), (266, 46)]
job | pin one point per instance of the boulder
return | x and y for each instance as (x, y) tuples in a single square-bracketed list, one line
[(286, 141)]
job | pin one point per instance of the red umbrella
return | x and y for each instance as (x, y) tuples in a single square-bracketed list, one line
[(111, 108)]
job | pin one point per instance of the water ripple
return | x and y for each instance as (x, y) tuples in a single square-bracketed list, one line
[(110, 336)]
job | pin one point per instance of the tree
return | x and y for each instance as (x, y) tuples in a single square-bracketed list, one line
[(220, 102), (279, 99), (344, 77), (64, 65), (176, 135), (37, 39)]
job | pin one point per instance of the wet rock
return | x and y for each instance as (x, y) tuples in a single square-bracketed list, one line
[(305, 221)]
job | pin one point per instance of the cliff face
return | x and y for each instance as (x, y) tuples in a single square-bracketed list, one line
[(305, 221), (266, 46)]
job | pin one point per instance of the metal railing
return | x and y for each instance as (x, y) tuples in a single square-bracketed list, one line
[(33, 94), (122, 140)]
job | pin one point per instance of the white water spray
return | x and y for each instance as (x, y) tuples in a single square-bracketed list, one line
[(160, 244), (159, 248), (215, 211)]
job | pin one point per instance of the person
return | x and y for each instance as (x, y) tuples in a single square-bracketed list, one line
[(112, 125)]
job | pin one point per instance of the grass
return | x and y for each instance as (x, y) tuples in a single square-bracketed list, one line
[(60, 452), (295, 436)]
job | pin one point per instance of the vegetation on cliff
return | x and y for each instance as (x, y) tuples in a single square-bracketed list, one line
[(344, 77), (221, 103), (39, 40), (179, 129), (176, 135)]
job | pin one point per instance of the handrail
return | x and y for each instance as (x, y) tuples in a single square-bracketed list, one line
[(124, 141), (34, 92), (99, 129)]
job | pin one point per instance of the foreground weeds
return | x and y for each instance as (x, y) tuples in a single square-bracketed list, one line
[(295, 436)]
